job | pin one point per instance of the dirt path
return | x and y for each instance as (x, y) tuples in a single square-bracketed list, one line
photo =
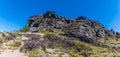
[(9, 53)]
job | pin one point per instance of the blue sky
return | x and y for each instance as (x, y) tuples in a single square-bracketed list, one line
[(15, 13)]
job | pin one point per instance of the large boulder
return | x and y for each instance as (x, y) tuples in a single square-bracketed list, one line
[(111, 33), (85, 28), (47, 20), (24, 38)]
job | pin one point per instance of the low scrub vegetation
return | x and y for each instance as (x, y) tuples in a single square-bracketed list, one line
[(49, 35), (26, 28), (36, 52), (14, 44)]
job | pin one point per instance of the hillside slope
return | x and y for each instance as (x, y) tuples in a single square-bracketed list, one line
[(50, 35)]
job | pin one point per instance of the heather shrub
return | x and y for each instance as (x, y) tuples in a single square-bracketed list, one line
[(70, 43), (9, 37), (32, 44), (53, 41), (59, 41), (29, 45), (53, 45)]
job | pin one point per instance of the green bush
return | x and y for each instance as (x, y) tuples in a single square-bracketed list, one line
[(26, 28)]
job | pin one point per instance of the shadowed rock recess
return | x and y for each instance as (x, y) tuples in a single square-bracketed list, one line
[(85, 29)]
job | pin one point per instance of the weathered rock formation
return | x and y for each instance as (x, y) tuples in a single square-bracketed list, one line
[(85, 28), (80, 28), (48, 20), (111, 33)]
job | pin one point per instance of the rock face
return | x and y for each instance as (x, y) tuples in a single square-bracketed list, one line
[(48, 20), (80, 28), (85, 28), (112, 33)]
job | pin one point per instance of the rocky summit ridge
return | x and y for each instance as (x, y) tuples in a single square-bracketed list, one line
[(80, 27), (50, 35)]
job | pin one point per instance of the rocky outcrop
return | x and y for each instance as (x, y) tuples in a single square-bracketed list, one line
[(80, 28), (117, 35), (85, 28), (111, 33), (47, 20)]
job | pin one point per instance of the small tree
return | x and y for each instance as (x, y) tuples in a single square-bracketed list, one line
[(26, 28)]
